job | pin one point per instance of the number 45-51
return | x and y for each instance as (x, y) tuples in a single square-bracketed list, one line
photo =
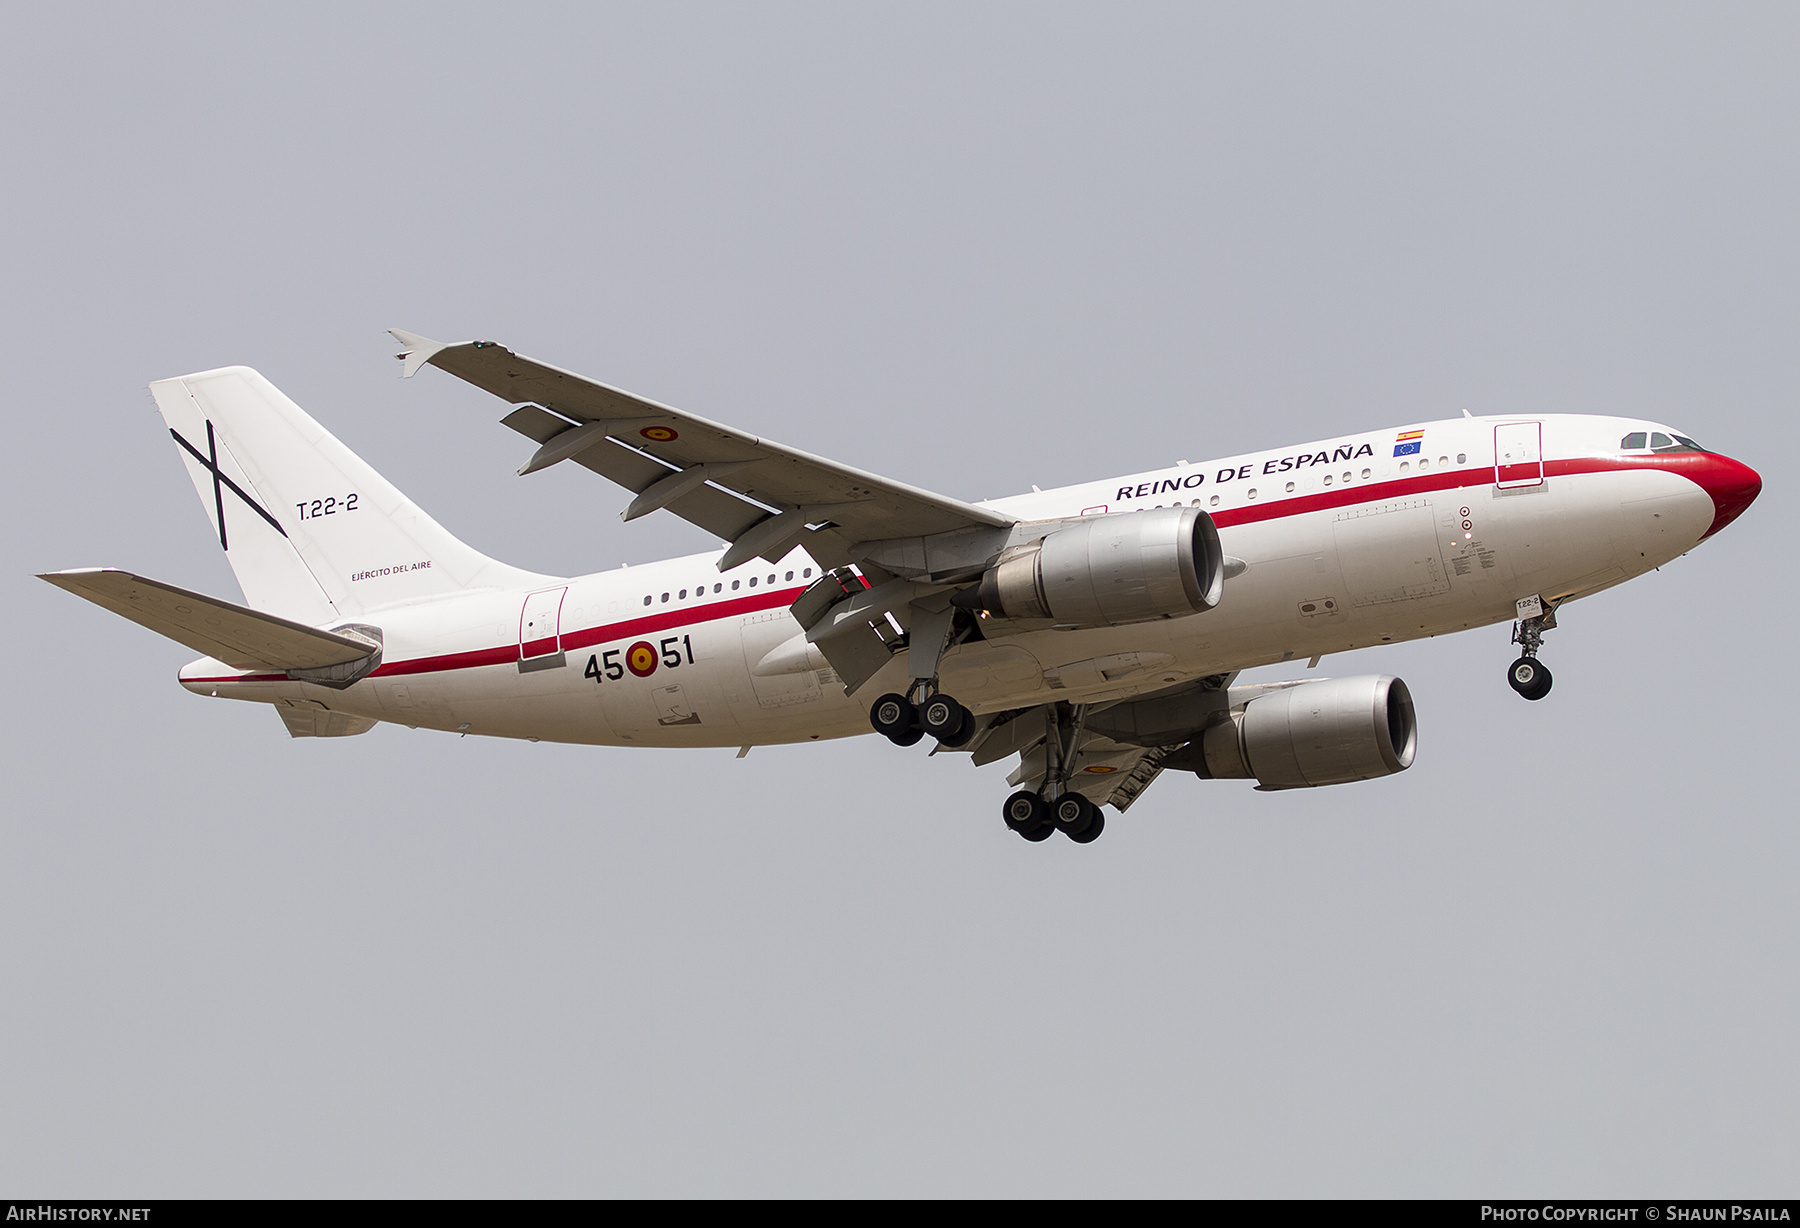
[(671, 652)]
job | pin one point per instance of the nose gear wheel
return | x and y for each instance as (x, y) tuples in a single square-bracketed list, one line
[(1529, 676)]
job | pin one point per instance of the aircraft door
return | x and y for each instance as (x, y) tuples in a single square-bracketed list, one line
[(540, 642), (1518, 455)]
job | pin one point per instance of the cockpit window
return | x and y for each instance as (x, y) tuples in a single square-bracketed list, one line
[(1658, 441)]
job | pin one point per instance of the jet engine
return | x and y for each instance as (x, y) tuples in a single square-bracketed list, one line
[(1110, 571), (1328, 732)]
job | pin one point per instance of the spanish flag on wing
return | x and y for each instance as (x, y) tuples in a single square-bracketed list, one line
[(1408, 443)]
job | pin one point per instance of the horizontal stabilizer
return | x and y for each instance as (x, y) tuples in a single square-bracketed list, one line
[(241, 638)]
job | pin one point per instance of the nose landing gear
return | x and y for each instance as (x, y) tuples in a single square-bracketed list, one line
[(1529, 676)]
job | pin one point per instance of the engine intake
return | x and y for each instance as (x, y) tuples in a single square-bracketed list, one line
[(1328, 732), (1110, 571)]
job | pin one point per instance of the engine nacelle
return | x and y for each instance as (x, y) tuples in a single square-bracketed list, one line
[(1328, 732), (1110, 571)]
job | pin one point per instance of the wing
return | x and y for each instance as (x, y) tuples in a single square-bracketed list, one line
[(763, 497)]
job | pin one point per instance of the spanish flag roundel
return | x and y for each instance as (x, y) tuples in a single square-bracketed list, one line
[(661, 434), (641, 658)]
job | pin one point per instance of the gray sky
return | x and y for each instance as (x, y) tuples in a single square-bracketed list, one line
[(972, 247)]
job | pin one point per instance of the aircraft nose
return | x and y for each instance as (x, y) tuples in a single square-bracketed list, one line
[(1732, 485)]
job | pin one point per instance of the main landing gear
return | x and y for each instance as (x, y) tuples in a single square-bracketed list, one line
[(1529, 676), (905, 720), (1055, 807), (1036, 819), (905, 723)]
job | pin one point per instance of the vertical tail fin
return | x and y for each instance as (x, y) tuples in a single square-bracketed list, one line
[(312, 532)]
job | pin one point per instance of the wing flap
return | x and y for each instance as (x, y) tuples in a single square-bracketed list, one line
[(240, 637), (720, 513), (1106, 772)]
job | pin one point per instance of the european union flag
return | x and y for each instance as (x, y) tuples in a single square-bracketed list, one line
[(1410, 448)]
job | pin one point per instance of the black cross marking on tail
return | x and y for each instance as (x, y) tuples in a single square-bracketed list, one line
[(210, 458)]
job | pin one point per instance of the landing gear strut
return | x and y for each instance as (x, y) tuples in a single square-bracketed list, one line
[(905, 719), (1529, 676), (1035, 815)]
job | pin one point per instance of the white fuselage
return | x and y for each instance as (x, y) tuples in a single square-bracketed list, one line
[(1344, 544)]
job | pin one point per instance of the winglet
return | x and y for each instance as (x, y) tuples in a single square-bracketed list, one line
[(419, 350)]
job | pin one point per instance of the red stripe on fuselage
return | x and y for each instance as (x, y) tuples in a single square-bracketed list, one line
[(587, 637), (1720, 477), (652, 623)]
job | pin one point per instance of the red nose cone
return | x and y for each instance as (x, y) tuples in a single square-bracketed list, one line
[(1733, 486)]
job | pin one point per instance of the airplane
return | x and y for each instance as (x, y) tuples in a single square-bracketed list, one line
[(1094, 632)]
